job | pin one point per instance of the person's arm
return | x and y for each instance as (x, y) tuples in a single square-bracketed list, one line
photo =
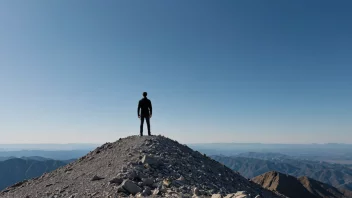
[(150, 108), (139, 107)]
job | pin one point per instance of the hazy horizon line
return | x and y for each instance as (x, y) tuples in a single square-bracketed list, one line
[(91, 144)]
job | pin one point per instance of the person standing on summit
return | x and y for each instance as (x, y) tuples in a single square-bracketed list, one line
[(145, 111)]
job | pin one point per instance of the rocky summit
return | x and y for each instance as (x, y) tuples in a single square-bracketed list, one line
[(149, 166)]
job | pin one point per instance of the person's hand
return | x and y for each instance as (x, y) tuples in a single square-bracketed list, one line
[(139, 116), (150, 116)]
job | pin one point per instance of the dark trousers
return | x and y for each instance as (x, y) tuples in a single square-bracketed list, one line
[(147, 119)]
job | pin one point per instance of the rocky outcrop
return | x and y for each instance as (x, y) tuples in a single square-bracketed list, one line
[(319, 189), (141, 166), (302, 187)]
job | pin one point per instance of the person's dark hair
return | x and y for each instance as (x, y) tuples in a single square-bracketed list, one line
[(145, 94)]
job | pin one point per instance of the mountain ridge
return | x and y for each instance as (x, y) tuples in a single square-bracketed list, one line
[(17, 169), (339, 176), (302, 187)]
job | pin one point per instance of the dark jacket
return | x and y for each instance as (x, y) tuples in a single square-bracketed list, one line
[(146, 107)]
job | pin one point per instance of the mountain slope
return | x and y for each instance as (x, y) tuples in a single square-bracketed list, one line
[(15, 170), (335, 175), (302, 187), (250, 167), (135, 165), (282, 183), (3, 158), (320, 189)]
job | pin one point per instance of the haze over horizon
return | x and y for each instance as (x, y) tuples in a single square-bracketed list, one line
[(229, 71), (88, 144)]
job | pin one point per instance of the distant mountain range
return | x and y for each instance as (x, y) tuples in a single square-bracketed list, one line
[(302, 187), (335, 153), (253, 164), (14, 170), (35, 158), (57, 155)]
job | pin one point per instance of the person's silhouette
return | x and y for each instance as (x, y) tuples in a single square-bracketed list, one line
[(145, 105)]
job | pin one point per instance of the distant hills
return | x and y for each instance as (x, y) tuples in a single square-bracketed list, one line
[(19, 165), (302, 187), (311, 151), (253, 164), (57, 155), (14, 170)]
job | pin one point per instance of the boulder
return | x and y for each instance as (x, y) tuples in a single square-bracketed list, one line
[(131, 187), (150, 160), (147, 182), (132, 175)]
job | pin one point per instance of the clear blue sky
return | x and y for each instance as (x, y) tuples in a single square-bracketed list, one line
[(216, 71)]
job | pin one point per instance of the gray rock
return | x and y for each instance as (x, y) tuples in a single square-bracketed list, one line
[(216, 196), (181, 179), (116, 180), (147, 191), (73, 195), (242, 194), (156, 192), (132, 175), (149, 160), (95, 178), (177, 183), (147, 182), (167, 182), (120, 189), (230, 196), (196, 191), (163, 189), (239, 194), (131, 187)]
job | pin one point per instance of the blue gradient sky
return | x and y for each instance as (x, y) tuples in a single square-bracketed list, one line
[(229, 71)]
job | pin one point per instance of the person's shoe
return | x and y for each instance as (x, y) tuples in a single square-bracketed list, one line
[(141, 135), (149, 134)]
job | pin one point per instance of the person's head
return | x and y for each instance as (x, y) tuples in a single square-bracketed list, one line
[(145, 94)]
